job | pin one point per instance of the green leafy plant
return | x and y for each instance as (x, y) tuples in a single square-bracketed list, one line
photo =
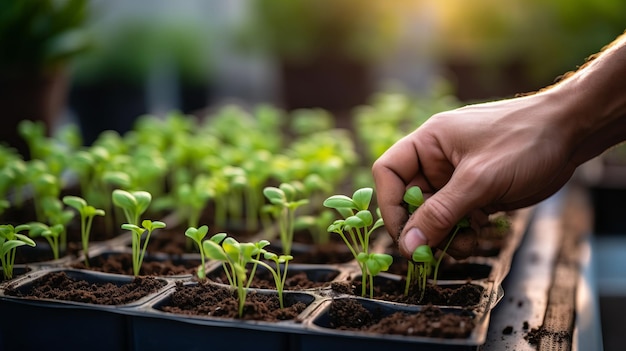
[(279, 277), (57, 216), (285, 201), (10, 240), (197, 235), (355, 229), (420, 267), (234, 257), (134, 203), (374, 263), (139, 250), (317, 225), (87, 214), (423, 262), (52, 234)]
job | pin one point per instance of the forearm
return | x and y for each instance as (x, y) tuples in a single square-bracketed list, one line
[(595, 100)]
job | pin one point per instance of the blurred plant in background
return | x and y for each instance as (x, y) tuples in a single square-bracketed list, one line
[(37, 41), (112, 81), (499, 48)]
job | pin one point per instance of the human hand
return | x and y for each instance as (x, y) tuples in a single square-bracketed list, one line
[(473, 161)]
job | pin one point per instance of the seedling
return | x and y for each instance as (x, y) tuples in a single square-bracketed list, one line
[(355, 229), (279, 277), (414, 198), (285, 198), (317, 225), (375, 263), (57, 216), (464, 223), (87, 213), (196, 235), (420, 267), (10, 240), (138, 249), (134, 204), (52, 234), (234, 257)]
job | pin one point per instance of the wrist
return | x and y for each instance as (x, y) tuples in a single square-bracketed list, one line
[(592, 104)]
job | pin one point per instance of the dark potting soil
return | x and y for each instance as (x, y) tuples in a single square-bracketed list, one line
[(174, 242), (205, 299), (58, 286), (296, 280), (349, 314), (122, 263), (449, 270), (329, 253), (465, 295)]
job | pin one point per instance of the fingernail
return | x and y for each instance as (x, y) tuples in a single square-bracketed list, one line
[(414, 238)]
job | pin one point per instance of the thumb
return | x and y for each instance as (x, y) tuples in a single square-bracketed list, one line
[(431, 223)]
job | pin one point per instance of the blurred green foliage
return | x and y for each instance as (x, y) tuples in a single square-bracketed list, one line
[(305, 29), (41, 33), (547, 37)]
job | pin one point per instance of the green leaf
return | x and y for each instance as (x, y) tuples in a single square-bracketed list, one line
[(270, 256), (75, 202), (362, 198), (354, 222), (289, 191), (150, 225), (247, 250), (262, 243), (197, 234), (218, 238), (132, 227), (413, 196), (366, 217), (143, 199), (124, 199), (274, 194), (10, 245), (336, 226), (26, 240), (339, 201), (214, 251), (423, 254), (231, 248)]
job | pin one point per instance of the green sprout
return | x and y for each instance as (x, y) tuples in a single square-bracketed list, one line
[(57, 216), (10, 240), (234, 257), (87, 213), (134, 204), (196, 235), (138, 249), (463, 223), (279, 278), (316, 225), (375, 263), (285, 198), (355, 229), (52, 234), (423, 261), (420, 267)]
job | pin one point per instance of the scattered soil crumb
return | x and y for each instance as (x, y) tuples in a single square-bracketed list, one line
[(535, 335)]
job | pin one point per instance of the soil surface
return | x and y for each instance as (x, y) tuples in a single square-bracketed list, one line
[(205, 299), (59, 286), (296, 280), (449, 269), (122, 263), (349, 314), (465, 295)]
